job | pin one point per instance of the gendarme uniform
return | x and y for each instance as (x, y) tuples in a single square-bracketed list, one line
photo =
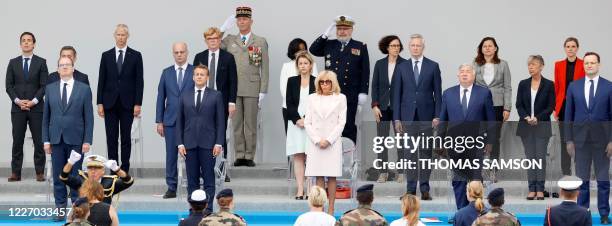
[(496, 217), (351, 63), (197, 197), (112, 184), (224, 217), (362, 216)]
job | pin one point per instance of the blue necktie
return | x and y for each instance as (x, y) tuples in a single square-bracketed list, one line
[(64, 96), (199, 100), (591, 94), (180, 78), (464, 105), (120, 61), (415, 71), (26, 68)]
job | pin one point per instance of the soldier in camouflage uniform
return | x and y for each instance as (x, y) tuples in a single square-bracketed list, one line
[(225, 217), (496, 216), (364, 214)]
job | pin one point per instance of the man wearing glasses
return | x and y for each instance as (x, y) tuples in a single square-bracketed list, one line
[(70, 109)]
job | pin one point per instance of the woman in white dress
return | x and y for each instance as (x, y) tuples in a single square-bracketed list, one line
[(410, 212), (324, 122), (289, 70), (298, 90), (316, 216)]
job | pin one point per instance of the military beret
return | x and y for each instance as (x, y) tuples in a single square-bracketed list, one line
[(365, 187), (496, 193), (225, 193)]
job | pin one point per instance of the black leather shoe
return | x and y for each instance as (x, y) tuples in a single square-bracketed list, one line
[(169, 194), (426, 196), (227, 178), (605, 220), (250, 163), (240, 162)]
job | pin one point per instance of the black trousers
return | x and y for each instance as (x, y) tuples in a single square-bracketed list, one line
[(350, 129), (566, 159), (20, 121), (118, 120), (382, 130), (499, 119), (285, 119)]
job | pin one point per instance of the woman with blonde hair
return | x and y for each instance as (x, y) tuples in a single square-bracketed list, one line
[(468, 214), (324, 123), (316, 216), (410, 212), (100, 213)]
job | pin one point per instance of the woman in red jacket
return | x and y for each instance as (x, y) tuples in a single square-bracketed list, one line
[(567, 70)]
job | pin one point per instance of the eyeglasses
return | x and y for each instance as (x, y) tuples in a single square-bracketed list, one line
[(395, 46), (64, 65), (325, 82)]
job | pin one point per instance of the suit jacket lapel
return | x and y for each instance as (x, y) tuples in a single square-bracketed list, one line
[(421, 71), (581, 93), (471, 101), (75, 93), (385, 69)]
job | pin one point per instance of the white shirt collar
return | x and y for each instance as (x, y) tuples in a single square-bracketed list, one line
[(70, 81), (30, 56), (176, 67), (195, 88), (469, 88), (210, 52), (117, 49), (247, 36), (420, 59), (595, 79)]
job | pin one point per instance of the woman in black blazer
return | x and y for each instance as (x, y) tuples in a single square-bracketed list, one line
[(382, 93), (298, 89), (535, 102)]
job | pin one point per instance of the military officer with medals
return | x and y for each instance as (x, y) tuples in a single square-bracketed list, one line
[(348, 58)]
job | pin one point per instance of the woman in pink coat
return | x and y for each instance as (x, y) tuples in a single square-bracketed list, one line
[(324, 122)]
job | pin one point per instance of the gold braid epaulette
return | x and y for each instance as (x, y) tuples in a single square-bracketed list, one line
[(112, 188)]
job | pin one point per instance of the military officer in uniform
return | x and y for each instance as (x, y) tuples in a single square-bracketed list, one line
[(198, 203), (252, 65), (113, 184), (364, 214), (568, 213), (225, 199), (496, 216), (348, 58)]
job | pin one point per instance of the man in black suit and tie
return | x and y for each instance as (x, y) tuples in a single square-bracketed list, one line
[(200, 130), (26, 77), (69, 52), (222, 67), (120, 88)]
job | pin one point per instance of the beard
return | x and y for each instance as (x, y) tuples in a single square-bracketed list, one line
[(344, 39)]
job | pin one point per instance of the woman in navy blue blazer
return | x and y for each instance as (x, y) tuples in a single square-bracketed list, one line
[(382, 83), (535, 102)]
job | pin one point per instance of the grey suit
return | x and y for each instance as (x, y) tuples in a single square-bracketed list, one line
[(500, 87), (252, 80)]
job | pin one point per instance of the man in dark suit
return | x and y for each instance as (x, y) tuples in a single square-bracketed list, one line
[(223, 73), (174, 80), (462, 110), (588, 113), (67, 125), (26, 77), (417, 95), (348, 58), (120, 87), (568, 213), (200, 132), (70, 52)]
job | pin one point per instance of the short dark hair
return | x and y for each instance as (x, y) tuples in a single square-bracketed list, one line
[(365, 197), (68, 48), (571, 39), (384, 42), (593, 54), (198, 206), (294, 47), (497, 201), (27, 33)]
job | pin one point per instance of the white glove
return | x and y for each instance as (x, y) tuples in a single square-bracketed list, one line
[(112, 165), (261, 97), (74, 157), (329, 30), (229, 23), (362, 98)]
